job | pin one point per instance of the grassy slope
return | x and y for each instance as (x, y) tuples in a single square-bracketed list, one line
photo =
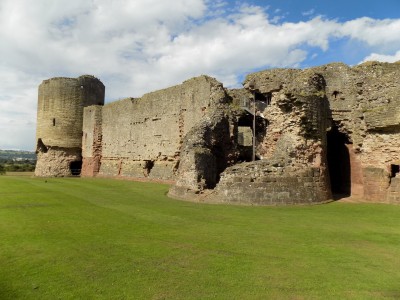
[(85, 238)]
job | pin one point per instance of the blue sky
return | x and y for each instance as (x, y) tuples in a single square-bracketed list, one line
[(342, 10), (138, 46)]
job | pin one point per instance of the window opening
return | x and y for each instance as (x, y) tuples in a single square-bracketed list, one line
[(260, 97)]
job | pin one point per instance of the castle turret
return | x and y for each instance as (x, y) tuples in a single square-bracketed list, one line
[(60, 120)]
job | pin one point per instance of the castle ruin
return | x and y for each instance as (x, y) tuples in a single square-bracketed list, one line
[(289, 136)]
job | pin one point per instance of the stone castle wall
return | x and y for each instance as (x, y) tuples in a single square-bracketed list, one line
[(338, 123), (92, 138), (292, 168), (60, 109), (364, 102), (60, 120), (142, 137), (332, 128)]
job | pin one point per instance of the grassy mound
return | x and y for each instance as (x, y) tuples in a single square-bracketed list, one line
[(110, 239)]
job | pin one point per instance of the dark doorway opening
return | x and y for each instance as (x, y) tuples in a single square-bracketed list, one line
[(75, 167), (339, 163), (394, 169)]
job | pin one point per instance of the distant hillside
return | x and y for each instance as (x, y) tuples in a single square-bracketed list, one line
[(17, 155)]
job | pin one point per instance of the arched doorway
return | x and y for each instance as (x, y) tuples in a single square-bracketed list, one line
[(339, 163)]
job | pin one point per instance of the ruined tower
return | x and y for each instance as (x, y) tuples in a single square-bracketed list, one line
[(59, 123), (289, 136)]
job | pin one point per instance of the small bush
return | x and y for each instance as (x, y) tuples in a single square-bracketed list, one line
[(2, 169)]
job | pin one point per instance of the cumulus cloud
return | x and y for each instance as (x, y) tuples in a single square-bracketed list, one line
[(138, 46), (382, 34), (383, 58)]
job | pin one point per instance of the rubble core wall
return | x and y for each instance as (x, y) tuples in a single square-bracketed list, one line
[(143, 137), (297, 116), (56, 161), (207, 150), (293, 166)]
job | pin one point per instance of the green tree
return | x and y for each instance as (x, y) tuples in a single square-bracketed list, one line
[(2, 169)]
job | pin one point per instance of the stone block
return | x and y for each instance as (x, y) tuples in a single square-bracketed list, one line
[(163, 170)]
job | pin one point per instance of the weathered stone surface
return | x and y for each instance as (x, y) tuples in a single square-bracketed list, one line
[(318, 131), (60, 120), (60, 109), (152, 128), (360, 104), (263, 184), (56, 161), (293, 145), (92, 140), (297, 115), (206, 152)]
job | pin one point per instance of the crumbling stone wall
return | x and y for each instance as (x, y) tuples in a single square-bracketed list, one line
[(60, 120), (207, 150), (307, 122), (360, 105), (142, 137), (292, 168), (56, 161)]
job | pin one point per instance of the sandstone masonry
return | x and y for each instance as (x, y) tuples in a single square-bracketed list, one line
[(319, 134), (60, 121)]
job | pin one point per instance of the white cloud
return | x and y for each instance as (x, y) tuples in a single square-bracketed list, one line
[(139, 46), (382, 34), (383, 58), (308, 12)]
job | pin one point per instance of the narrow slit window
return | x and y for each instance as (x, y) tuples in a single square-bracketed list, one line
[(54, 121)]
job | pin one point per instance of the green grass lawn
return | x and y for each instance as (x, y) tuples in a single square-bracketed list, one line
[(112, 239)]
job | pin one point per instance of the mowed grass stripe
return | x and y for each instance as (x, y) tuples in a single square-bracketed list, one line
[(73, 238)]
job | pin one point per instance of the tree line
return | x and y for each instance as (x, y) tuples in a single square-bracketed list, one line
[(9, 165)]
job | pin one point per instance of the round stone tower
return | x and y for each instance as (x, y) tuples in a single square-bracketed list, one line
[(59, 123)]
